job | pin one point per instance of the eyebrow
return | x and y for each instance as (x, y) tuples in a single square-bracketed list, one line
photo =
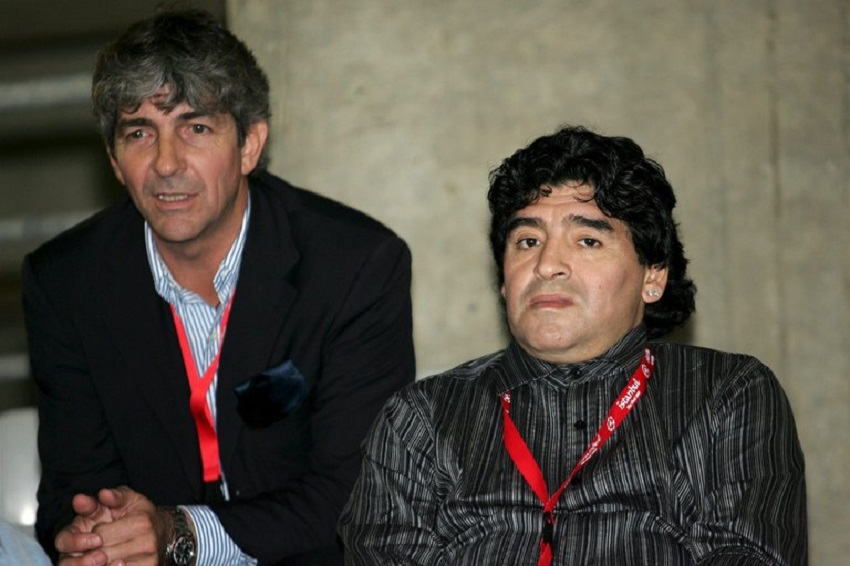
[(518, 221), (132, 123), (142, 121), (599, 224), (192, 114)]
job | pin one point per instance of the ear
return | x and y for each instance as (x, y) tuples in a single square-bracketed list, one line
[(255, 141), (654, 282), (115, 167)]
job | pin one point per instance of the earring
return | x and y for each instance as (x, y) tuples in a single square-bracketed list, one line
[(653, 293)]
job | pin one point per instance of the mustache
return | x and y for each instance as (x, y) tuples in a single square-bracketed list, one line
[(174, 185), (547, 288), (541, 287)]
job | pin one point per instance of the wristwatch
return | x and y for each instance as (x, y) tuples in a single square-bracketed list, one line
[(181, 549)]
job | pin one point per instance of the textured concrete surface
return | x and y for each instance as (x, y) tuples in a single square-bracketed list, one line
[(402, 108)]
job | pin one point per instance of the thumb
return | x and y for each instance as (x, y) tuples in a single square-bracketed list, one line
[(115, 497), (84, 505)]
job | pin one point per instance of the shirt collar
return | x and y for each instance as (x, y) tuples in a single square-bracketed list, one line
[(520, 367), (224, 281)]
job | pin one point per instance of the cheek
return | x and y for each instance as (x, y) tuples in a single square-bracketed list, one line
[(621, 293), (133, 174), (512, 288), (515, 278)]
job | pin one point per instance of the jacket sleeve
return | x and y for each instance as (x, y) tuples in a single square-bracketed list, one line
[(76, 448), (366, 356)]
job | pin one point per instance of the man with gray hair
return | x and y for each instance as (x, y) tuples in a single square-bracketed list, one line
[(210, 350)]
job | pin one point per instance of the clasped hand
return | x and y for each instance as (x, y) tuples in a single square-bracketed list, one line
[(118, 527)]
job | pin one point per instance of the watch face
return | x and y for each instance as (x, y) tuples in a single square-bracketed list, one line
[(184, 551)]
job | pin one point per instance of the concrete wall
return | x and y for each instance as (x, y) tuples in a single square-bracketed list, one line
[(401, 108)]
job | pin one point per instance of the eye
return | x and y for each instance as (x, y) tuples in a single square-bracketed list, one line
[(135, 135), (527, 243), (589, 243), (200, 129)]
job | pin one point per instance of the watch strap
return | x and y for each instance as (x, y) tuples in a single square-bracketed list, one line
[(182, 547)]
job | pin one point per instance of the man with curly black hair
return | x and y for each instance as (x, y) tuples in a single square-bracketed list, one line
[(583, 442)]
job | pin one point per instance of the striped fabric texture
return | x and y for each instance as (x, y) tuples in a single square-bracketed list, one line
[(202, 322), (707, 469)]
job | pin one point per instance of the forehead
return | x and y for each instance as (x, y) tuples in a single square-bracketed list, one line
[(568, 205), (163, 101), (565, 199), (156, 110), (158, 103), (565, 194)]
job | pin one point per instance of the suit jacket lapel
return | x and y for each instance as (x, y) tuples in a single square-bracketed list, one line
[(264, 295), (140, 325)]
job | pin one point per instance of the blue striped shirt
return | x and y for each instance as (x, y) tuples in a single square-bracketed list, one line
[(202, 323)]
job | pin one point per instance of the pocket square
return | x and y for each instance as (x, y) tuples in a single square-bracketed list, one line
[(270, 396)]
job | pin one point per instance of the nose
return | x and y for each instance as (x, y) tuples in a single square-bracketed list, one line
[(169, 155), (553, 260)]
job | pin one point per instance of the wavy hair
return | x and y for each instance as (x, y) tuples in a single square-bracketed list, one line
[(188, 51), (626, 184)]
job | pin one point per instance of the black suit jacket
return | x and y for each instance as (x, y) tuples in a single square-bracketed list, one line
[(320, 285)]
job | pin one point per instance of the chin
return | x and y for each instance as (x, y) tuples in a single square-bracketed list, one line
[(551, 350)]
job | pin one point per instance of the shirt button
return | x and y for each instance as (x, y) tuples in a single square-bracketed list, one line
[(575, 373), (580, 425)]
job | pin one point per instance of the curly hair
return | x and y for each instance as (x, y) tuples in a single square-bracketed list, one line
[(626, 184), (202, 63)]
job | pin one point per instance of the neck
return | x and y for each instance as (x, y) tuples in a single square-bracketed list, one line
[(193, 272), (194, 263)]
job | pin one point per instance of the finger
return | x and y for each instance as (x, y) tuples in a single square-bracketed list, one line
[(84, 504), (131, 539), (114, 497), (138, 550), (94, 558), (70, 541)]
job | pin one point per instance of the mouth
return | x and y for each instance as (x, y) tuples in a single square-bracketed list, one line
[(550, 301), (172, 197)]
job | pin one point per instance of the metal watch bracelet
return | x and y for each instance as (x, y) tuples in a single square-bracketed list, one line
[(181, 549)]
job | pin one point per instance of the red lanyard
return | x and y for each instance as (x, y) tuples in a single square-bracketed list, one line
[(530, 470), (200, 385)]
